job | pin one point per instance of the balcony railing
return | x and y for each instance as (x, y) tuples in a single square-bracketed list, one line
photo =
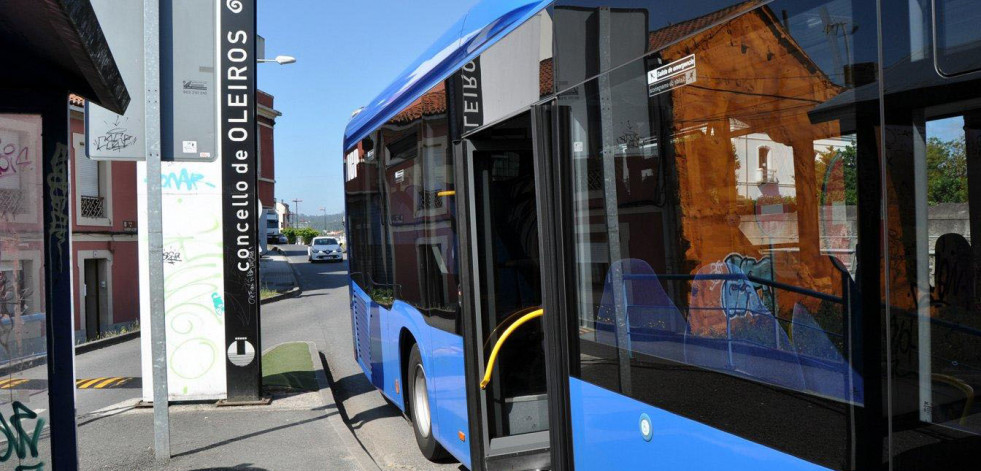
[(93, 207)]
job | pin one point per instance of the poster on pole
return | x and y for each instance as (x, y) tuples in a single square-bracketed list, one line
[(237, 49), (188, 80), (111, 136)]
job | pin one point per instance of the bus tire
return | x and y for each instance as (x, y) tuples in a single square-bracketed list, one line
[(418, 408)]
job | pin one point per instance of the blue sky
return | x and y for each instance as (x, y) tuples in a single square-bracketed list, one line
[(347, 52)]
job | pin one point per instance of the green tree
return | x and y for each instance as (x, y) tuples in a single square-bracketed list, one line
[(946, 171), (825, 159)]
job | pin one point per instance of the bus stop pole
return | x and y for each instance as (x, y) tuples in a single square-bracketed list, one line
[(158, 326)]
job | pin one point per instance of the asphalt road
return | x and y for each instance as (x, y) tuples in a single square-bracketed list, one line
[(321, 314)]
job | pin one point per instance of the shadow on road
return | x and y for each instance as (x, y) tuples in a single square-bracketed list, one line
[(354, 385), (250, 435), (351, 386), (241, 467)]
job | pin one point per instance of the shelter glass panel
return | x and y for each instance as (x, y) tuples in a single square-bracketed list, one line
[(23, 347)]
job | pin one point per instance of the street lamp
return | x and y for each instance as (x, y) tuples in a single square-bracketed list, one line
[(325, 219), (281, 60)]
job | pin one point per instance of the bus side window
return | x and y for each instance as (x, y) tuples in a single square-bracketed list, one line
[(958, 39)]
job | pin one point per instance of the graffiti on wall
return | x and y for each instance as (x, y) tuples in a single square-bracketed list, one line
[(13, 158), (58, 189), (21, 443), (192, 287), (184, 180)]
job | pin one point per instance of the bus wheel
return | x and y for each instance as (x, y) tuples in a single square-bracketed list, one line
[(419, 412)]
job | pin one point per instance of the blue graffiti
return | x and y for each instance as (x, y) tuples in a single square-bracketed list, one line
[(183, 180), (219, 304), (742, 296)]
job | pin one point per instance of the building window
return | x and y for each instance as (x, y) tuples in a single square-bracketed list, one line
[(92, 186), (763, 163)]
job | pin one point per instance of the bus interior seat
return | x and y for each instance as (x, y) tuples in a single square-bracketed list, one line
[(954, 275), (654, 324), (752, 345), (825, 370)]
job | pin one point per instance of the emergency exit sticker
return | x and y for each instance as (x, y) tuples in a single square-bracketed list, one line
[(670, 76)]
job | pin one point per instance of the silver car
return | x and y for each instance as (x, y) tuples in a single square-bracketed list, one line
[(324, 249)]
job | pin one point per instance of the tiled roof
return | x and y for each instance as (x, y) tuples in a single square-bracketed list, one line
[(76, 100), (668, 35), (431, 103), (546, 82)]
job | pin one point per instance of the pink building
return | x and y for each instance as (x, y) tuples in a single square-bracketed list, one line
[(104, 229)]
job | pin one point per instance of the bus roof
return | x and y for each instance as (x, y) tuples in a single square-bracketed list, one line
[(482, 26)]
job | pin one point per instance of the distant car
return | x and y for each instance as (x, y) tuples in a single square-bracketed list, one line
[(324, 248), (282, 239)]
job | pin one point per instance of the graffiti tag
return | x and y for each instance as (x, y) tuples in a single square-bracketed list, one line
[(183, 180), (115, 139), (58, 192), (218, 303), (250, 282), (172, 256), (12, 157), (20, 442)]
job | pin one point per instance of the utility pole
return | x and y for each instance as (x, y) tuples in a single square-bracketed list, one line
[(152, 141), (296, 206), (325, 218)]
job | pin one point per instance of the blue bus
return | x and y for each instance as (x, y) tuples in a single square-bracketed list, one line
[(652, 234)]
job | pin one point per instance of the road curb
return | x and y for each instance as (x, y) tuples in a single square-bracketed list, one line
[(97, 344), (22, 365), (79, 349), (296, 291), (344, 433), (279, 297)]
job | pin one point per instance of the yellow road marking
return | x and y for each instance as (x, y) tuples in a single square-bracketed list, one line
[(90, 382), (12, 383), (107, 382)]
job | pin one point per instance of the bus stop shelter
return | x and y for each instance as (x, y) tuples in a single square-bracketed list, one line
[(48, 49)]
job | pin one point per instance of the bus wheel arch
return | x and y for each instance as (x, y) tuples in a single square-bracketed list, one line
[(413, 373), (406, 342)]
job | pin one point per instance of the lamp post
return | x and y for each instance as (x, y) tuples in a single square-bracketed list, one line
[(296, 206), (325, 219)]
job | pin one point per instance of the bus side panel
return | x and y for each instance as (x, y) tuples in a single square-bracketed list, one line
[(606, 428), (449, 389), (379, 344), (360, 327), (401, 316)]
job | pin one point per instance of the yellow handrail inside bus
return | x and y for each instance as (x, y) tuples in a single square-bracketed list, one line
[(964, 387), (497, 346), (507, 321)]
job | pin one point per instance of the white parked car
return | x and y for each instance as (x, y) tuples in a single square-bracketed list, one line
[(324, 248)]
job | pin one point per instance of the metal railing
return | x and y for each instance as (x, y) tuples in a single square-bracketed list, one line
[(93, 207)]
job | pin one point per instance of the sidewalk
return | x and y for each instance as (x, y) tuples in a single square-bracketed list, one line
[(298, 431), (275, 273)]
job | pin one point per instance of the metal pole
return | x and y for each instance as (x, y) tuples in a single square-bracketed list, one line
[(154, 227)]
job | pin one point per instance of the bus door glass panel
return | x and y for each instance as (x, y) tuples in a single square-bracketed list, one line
[(510, 282), (716, 218), (932, 137)]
